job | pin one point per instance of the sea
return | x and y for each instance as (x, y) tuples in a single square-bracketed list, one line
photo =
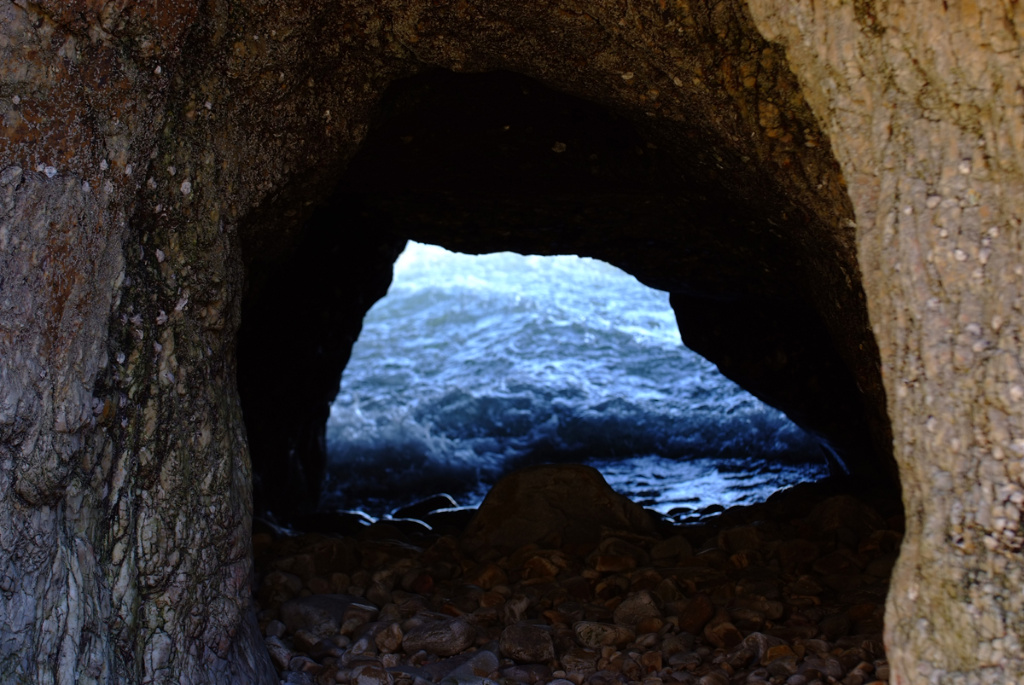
[(474, 366)]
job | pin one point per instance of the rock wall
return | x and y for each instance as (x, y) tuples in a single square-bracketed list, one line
[(298, 328), (925, 109), (159, 160)]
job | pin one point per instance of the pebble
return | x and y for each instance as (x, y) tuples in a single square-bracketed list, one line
[(371, 674), (280, 654), (797, 601), (442, 638), (674, 548), (580, 659), (597, 635), (635, 608), (390, 639), (696, 614), (475, 670), (722, 633), (322, 615), (274, 629), (527, 643)]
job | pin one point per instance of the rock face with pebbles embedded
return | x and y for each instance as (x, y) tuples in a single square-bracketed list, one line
[(833, 198)]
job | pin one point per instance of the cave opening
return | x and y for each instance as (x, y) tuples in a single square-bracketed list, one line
[(473, 366), (762, 283), (488, 162)]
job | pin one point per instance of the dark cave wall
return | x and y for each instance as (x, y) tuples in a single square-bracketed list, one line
[(795, 367), (154, 158), (299, 323)]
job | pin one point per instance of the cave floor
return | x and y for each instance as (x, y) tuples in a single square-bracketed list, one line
[(791, 591)]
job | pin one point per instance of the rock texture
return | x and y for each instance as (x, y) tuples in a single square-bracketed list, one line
[(741, 610), (552, 505), (927, 124), (832, 191)]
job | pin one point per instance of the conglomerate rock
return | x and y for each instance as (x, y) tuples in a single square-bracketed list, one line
[(832, 191)]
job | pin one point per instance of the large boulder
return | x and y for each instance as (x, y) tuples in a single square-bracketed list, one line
[(552, 505)]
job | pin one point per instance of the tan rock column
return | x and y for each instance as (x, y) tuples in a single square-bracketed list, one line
[(924, 105)]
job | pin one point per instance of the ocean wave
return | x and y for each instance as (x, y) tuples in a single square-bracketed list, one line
[(472, 367), (461, 444)]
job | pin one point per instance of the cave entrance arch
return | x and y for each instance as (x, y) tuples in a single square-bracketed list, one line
[(499, 162), (473, 366)]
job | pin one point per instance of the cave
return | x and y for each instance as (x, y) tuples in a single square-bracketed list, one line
[(498, 162), (199, 201)]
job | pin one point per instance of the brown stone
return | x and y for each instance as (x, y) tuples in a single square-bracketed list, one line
[(747, 619), (491, 599), (556, 503), (717, 677), (649, 624), (515, 609), (527, 643), (739, 538), (278, 586), (613, 563), (323, 614), (595, 635), (635, 608), (672, 549), (527, 673), (776, 652), (539, 567), (723, 634), (441, 638), (279, 652), (846, 511), (796, 554), (371, 674), (651, 661), (611, 587), (301, 565), (303, 664), (305, 641), (697, 612), (579, 660), (488, 576), (783, 666), (389, 639), (319, 586), (837, 563), (645, 579)]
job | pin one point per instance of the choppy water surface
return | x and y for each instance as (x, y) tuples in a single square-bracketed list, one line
[(473, 366)]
